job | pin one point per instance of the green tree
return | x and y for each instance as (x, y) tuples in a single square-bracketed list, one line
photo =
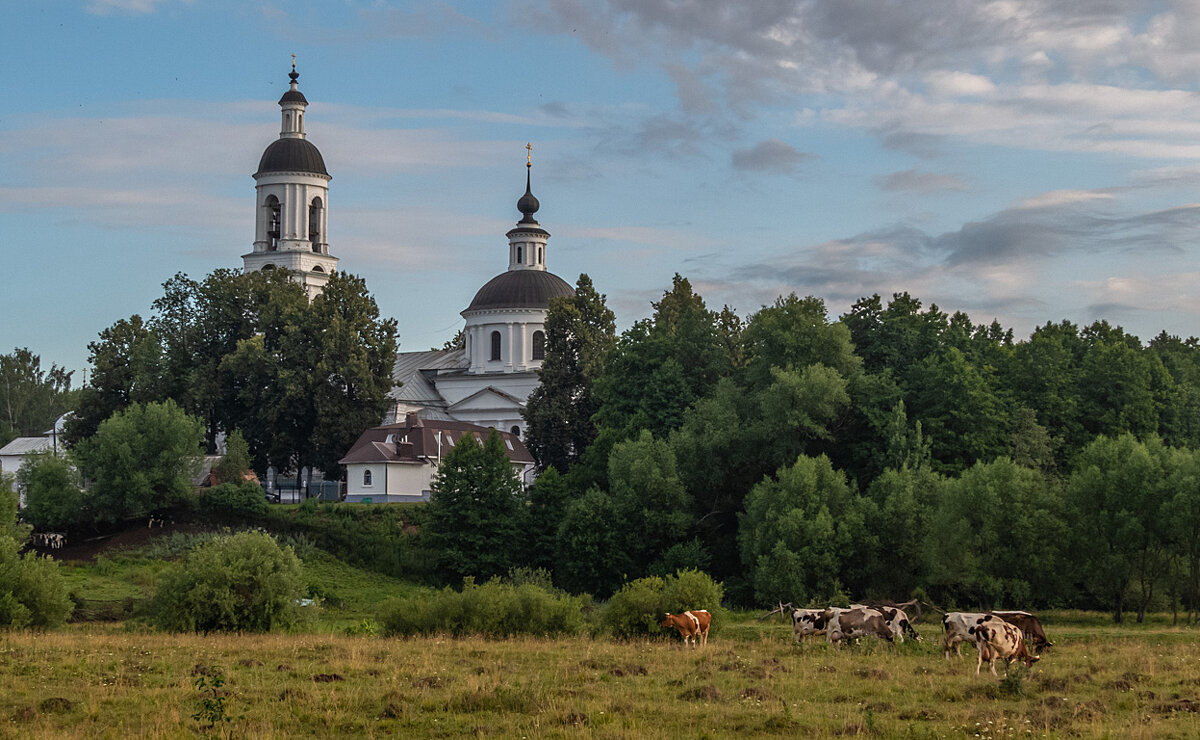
[(548, 501), (475, 511), (590, 557), (31, 399), (803, 534), (995, 538), (1181, 513), (234, 464), (580, 334), (1115, 497), (796, 333), (141, 460), (126, 368), (244, 582), (649, 498), (33, 592), (10, 504), (905, 501), (53, 493)]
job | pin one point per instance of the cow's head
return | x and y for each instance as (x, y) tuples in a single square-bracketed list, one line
[(667, 620)]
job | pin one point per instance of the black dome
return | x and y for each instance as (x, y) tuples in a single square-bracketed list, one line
[(291, 155), (293, 96), (521, 289)]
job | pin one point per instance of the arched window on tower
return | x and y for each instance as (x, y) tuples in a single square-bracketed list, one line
[(495, 346), (540, 257), (539, 345), (518, 254), (274, 222), (314, 225)]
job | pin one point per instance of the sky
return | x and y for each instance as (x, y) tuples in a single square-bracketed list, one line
[(1019, 160)]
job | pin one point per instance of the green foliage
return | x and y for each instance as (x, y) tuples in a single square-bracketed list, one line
[(801, 531), (548, 501), (32, 590), (474, 510), (31, 399), (241, 502), (580, 333), (650, 501), (240, 583), (140, 461), (590, 557), (494, 609), (212, 711), (639, 606), (233, 465), (10, 502), (53, 495)]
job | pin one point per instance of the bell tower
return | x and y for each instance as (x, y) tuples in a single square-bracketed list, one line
[(292, 201)]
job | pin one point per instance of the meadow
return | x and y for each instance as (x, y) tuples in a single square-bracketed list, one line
[(113, 680)]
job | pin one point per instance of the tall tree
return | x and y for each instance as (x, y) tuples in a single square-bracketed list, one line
[(474, 512), (649, 498), (31, 399), (580, 333)]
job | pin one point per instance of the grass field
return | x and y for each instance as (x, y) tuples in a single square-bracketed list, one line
[(751, 681)]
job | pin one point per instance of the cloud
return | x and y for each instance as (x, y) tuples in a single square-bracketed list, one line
[(105, 7), (771, 155), (919, 182)]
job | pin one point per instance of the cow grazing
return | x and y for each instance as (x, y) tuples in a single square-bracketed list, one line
[(958, 629), (690, 624), (896, 620), (807, 622), (855, 623), (995, 638), (1030, 627)]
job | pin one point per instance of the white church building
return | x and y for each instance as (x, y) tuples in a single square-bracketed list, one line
[(444, 393)]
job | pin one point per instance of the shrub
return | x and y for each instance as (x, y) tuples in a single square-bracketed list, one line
[(32, 590), (53, 495), (494, 609), (638, 608), (245, 501), (240, 583)]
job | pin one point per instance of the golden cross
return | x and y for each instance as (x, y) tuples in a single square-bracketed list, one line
[(529, 155)]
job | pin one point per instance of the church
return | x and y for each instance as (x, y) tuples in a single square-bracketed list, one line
[(486, 381)]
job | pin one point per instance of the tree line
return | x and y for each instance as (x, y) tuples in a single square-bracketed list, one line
[(794, 455)]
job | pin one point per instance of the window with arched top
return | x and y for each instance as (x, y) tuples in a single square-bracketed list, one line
[(314, 224), (268, 267), (274, 222), (495, 346), (539, 345), (317, 268), (366, 477), (518, 254), (540, 257), (516, 431)]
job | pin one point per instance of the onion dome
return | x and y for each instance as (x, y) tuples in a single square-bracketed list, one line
[(521, 289), (528, 205), (292, 155)]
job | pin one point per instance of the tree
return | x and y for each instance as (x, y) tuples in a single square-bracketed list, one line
[(649, 498), (53, 494), (140, 461), (589, 552), (31, 399), (795, 333), (33, 592), (548, 501), (10, 504), (1115, 496), (803, 532), (474, 511), (580, 334), (126, 368), (905, 500), (244, 582), (232, 466)]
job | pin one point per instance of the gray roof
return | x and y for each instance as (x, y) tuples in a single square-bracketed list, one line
[(521, 289), (291, 155), (26, 445)]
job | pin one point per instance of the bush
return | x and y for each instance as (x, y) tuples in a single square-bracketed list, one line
[(245, 501), (240, 583), (53, 495), (32, 590), (494, 609), (638, 608)]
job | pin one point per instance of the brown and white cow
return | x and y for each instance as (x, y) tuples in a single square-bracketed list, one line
[(995, 638), (897, 620), (807, 622), (690, 624), (854, 623), (1030, 627)]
